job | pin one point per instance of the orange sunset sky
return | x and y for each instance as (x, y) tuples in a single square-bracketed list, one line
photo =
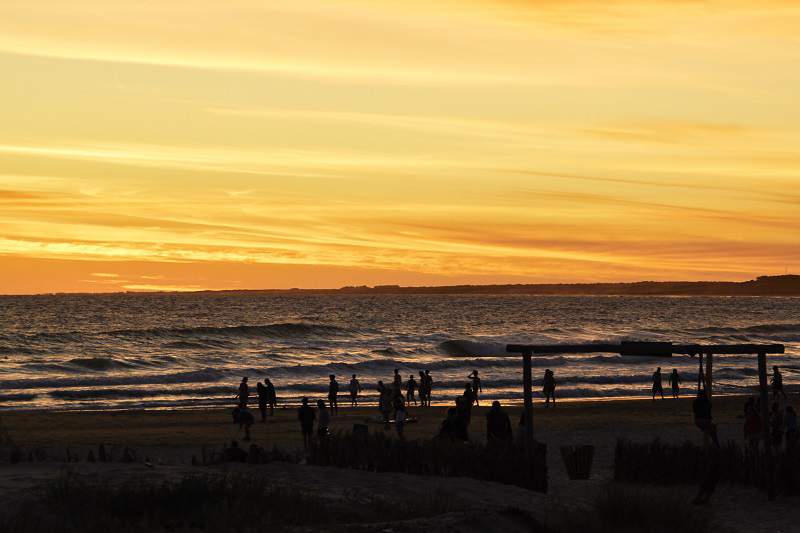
[(202, 144)]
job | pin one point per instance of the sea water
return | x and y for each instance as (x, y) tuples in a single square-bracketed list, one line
[(130, 351)]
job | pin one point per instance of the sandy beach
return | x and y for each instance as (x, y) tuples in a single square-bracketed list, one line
[(169, 439)]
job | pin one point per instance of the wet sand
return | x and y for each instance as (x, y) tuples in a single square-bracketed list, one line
[(170, 438)]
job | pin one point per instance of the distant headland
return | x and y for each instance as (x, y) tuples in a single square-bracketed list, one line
[(787, 285)]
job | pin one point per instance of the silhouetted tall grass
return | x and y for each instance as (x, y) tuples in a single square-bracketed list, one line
[(240, 503), (673, 464), (378, 452)]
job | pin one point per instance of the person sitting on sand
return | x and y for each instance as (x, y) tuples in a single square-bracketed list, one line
[(244, 392), (549, 387), (476, 385), (234, 454), (333, 394), (272, 398), (449, 427), (306, 416), (355, 390), (675, 382), (498, 426), (657, 386), (411, 388), (261, 390), (323, 421), (777, 384), (701, 407)]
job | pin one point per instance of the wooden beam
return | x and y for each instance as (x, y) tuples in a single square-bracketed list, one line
[(652, 349), (709, 373)]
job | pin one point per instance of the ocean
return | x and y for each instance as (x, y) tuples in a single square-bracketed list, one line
[(167, 351)]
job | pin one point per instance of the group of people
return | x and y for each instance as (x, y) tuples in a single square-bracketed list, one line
[(781, 417), (674, 381)]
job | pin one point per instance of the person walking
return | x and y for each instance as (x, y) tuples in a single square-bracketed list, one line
[(657, 385), (423, 389), (355, 390), (675, 382), (333, 394), (476, 386), (306, 416), (429, 385)]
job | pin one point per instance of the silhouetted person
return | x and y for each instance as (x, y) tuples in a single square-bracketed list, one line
[(411, 388), (397, 381), (777, 384), (498, 426), (464, 409), (675, 382), (234, 454), (701, 407), (306, 416), (549, 387), (476, 386), (323, 421), (243, 417), (429, 385), (657, 386), (272, 397), (333, 394), (752, 424), (384, 403), (399, 415), (790, 423), (424, 393), (261, 390), (449, 428), (244, 392), (355, 390), (776, 425)]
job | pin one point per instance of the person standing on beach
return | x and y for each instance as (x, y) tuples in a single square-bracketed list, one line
[(675, 381), (777, 384), (355, 389), (261, 390), (428, 385), (476, 385), (244, 392), (398, 380), (549, 387), (333, 394), (272, 398), (411, 388), (423, 389), (399, 415), (306, 416), (384, 403), (657, 386)]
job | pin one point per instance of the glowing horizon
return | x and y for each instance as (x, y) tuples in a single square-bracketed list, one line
[(186, 146)]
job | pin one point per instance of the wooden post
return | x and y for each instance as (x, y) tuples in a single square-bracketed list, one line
[(527, 383), (700, 378), (709, 373), (764, 400)]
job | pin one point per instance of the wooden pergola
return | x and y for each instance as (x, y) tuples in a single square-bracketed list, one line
[(651, 349)]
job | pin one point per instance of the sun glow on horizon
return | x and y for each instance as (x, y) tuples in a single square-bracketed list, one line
[(185, 146)]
